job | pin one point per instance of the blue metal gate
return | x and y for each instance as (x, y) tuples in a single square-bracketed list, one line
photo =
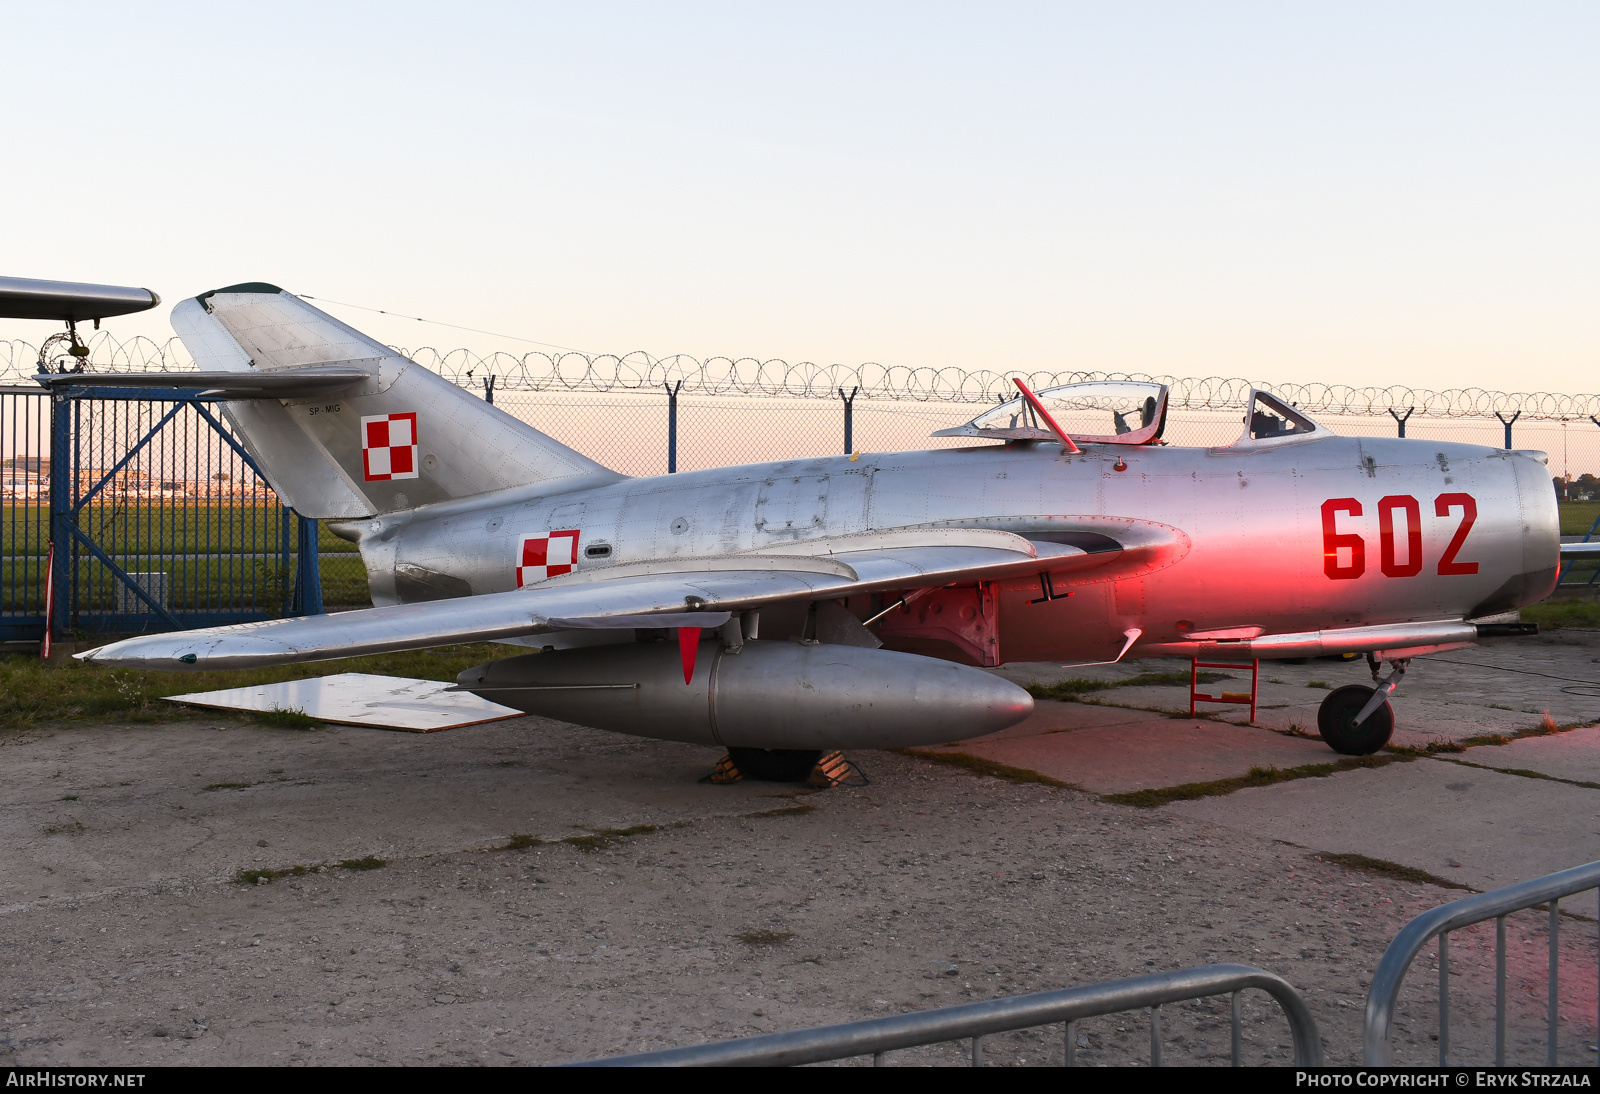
[(140, 513)]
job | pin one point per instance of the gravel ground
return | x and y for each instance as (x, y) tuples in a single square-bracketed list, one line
[(931, 886)]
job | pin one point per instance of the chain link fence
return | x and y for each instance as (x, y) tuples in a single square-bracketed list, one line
[(617, 410)]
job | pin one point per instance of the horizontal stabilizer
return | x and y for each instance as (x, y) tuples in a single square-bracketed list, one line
[(281, 384), (345, 427)]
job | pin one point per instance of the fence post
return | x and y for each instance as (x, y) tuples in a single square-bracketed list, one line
[(849, 418), (1402, 421), (1507, 423), (488, 389), (308, 571), (672, 426), (61, 469), (285, 549)]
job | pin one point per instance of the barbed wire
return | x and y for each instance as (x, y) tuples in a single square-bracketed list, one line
[(733, 376)]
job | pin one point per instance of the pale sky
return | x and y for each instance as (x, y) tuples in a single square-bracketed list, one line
[(1358, 193)]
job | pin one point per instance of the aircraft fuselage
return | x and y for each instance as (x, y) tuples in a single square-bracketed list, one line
[(1266, 536)]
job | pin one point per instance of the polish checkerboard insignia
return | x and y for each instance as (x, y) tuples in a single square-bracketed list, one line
[(389, 446), (545, 554)]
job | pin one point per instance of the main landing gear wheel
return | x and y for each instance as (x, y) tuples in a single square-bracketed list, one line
[(1336, 721), (775, 765)]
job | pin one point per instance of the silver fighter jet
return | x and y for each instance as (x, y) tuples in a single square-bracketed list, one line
[(781, 609)]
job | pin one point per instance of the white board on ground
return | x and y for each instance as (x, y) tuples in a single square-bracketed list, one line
[(361, 699)]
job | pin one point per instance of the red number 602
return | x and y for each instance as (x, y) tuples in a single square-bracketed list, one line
[(1355, 563)]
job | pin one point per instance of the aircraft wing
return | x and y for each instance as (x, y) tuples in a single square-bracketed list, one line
[(27, 298), (697, 592)]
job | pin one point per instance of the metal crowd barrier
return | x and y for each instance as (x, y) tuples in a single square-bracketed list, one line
[(1441, 921), (879, 1036)]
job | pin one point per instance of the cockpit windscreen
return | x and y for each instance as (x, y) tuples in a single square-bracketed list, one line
[(1098, 412)]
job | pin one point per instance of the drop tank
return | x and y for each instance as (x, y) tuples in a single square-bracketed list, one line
[(764, 695)]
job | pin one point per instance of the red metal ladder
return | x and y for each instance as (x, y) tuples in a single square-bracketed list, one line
[(1195, 696)]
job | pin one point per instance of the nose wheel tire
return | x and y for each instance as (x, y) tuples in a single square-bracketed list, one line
[(775, 765), (1336, 722)]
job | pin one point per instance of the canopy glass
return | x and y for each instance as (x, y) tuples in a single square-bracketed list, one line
[(1097, 412)]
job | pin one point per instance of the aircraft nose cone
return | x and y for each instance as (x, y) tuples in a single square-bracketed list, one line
[(1541, 526)]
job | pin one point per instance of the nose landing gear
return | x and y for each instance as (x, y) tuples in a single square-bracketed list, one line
[(1357, 720)]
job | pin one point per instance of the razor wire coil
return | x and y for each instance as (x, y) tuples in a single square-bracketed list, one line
[(571, 371)]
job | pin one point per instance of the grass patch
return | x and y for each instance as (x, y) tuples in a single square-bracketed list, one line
[(68, 798), (1555, 614), (599, 841), (198, 526), (1546, 728), (1432, 748), (69, 828), (228, 786), (1528, 774), (1068, 690), (783, 810), (285, 718), (1318, 684), (1385, 868), (594, 841), (1258, 776), (979, 766), (31, 693), (255, 877), (764, 938), (1577, 517)]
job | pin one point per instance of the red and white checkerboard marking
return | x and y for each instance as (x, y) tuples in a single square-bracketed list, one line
[(389, 447), (545, 554)]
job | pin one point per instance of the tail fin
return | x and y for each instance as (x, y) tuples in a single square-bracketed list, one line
[(402, 438)]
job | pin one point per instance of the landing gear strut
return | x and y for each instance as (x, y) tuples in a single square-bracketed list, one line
[(1357, 720)]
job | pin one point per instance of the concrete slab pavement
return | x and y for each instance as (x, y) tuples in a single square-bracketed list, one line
[(1139, 751), (1501, 687), (67, 808), (1475, 827), (1574, 755)]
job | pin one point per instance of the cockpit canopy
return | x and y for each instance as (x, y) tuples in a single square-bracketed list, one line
[(1097, 412), (1269, 418)]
